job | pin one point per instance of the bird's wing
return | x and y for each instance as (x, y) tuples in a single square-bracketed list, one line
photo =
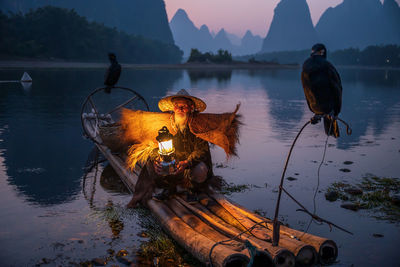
[(106, 76), (305, 80), (336, 87), (307, 83)]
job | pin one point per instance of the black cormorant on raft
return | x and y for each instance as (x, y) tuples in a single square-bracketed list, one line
[(113, 72), (323, 89)]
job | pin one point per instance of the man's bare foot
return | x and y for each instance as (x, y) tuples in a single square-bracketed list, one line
[(132, 204)]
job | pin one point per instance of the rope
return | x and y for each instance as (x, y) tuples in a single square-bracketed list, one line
[(236, 237), (276, 223), (318, 179)]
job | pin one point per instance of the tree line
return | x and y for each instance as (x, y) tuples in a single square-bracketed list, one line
[(376, 55), (222, 56), (52, 32)]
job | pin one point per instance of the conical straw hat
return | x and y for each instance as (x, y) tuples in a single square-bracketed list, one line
[(165, 104)]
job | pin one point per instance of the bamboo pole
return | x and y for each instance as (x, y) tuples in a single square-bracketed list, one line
[(198, 225), (231, 219), (197, 244), (326, 248), (281, 257), (306, 254), (262, 259)]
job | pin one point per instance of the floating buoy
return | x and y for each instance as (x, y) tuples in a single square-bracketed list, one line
[(26, 78)]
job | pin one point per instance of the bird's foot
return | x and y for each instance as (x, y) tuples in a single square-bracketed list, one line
[(315, 119), (331, 115)]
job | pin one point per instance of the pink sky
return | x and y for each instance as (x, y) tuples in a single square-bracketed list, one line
[(237, 16)]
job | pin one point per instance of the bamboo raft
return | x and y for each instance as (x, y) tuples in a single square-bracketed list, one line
[(215, 230)]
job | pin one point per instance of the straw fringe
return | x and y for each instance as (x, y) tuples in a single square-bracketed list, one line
[(140, 153)]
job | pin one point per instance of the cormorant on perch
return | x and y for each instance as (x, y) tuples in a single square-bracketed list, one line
[(113, 72), (322, 89)]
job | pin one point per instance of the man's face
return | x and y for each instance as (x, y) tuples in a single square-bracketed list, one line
[(182, 106)]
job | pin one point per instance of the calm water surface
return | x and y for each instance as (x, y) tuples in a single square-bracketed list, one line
[(47, 213)]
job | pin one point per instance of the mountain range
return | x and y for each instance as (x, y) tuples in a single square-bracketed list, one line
[(359, 23), (291, 27), (353, 23), (147, 18), (188, 36)]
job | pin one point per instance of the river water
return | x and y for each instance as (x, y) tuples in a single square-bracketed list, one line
[(50, 212)]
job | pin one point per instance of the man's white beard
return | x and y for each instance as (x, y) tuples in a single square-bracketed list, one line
[(181, 121)]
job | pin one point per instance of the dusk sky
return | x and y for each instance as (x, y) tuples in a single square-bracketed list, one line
[(237, 16)]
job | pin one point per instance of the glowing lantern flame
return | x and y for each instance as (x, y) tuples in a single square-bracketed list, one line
[(166, 147), (166, 150), (164, 139)]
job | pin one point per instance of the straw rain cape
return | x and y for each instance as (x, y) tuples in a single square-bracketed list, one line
[(140, 129)]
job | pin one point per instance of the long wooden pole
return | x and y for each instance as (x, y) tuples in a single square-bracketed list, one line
[(275, 239)]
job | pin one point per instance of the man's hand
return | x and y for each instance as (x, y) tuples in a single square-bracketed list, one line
[(181, 166), (157, 167)]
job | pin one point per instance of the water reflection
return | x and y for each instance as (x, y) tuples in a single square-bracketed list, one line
[(287, 104), (368, 99), (42, 138), (42, 154), (222, 76)]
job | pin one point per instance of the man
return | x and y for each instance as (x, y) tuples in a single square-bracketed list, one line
[(192, 154), (322, 89), (113, 72)]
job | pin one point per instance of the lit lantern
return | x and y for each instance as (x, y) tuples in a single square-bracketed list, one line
[(166, 150)]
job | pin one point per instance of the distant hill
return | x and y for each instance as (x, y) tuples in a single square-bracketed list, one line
[(221, 41), (147, 18), (188, 36), (391, 11), (360, 23), (291, 28), (234, 39), (252, 43), (207, 40), (52, 32)]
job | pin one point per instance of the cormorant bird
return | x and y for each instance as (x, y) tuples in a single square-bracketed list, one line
[(113, 72), (323, 89)]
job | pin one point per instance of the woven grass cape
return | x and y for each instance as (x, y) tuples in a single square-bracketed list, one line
[(140, 129)]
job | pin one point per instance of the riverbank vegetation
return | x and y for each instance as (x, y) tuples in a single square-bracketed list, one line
[(222, 56), (58, 33), (379, 194), (376, 55)]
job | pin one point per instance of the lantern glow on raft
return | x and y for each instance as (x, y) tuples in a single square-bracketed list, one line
[(166, 150)]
